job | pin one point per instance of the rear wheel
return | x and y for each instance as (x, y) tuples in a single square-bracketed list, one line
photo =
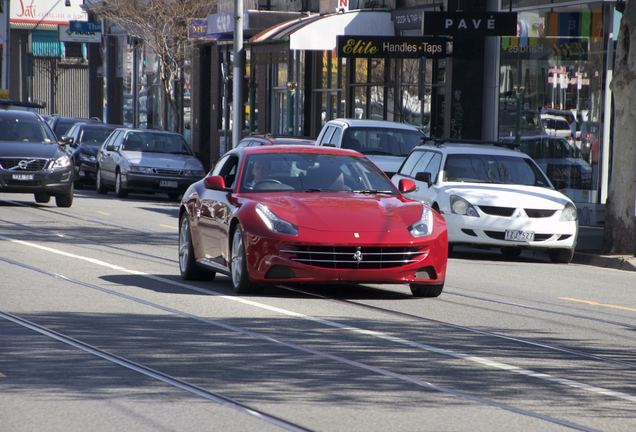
[(240, 277), (563, 256), (422, 290), (100, 187), (187, 263), (119, 187)]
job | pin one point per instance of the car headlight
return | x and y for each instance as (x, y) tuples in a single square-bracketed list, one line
[(87, 158), (61, 162), (193, 173), (424, 226), (568, 213), (274, 223), (462, 207), (140, 169)]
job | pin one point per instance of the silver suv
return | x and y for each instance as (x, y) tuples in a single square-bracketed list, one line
[(385, 143)]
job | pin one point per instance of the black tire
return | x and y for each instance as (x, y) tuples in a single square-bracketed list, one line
[(187, 263), (561, 256), (41, 197), (238, 267), (119, 188), (451, 246), (65, 200), (510, 252), (100, 187), (422, 290)]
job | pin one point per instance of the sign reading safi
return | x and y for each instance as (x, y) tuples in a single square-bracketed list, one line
[(85, 26)]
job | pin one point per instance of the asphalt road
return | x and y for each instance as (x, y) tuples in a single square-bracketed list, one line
[(98, 332)]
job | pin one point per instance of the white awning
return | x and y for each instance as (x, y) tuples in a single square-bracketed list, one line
[(320, 34)]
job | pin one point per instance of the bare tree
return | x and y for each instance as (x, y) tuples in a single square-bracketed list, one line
[(620, 219), (162, 25)]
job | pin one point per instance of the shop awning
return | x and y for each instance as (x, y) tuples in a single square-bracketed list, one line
[(319, 32)]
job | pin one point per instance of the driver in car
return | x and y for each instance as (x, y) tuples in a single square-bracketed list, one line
[(260, 169)]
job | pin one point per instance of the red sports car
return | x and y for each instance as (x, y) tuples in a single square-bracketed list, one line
[(290, 214)]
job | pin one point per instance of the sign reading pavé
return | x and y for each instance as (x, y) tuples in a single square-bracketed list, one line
[(470, 24), (391, 47)]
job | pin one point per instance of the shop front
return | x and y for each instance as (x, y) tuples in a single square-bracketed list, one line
[(554, 81)]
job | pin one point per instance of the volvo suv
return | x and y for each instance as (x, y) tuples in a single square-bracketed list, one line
[(32, 160)]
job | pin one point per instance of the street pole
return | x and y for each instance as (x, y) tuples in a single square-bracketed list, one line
[(237, 74), (6, 4)]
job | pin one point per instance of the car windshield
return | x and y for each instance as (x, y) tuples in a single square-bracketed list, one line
[(24, 129), (63, 125), (490, 168), (311, 172), (94, 136), (381, 141), (155, 142)]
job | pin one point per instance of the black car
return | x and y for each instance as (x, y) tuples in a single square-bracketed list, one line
[(61, 124), (82, 141), (32, 160)]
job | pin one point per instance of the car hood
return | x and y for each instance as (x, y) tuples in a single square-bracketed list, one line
[(29, 150), (345, 211), (509, 196), (388, 164), (163, 160)]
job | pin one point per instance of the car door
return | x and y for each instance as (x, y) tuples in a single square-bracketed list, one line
[(215, 213), (421, 161), (107, 157)]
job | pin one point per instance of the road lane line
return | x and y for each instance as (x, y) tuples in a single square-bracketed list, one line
[(103, 213), (168, 226), (595, 303), (372, 333)]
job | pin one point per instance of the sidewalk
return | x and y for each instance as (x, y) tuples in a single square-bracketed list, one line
[(588, 249)]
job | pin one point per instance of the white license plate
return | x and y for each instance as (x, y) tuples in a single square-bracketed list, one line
[(520, 236), (22, 176), (168, 184)]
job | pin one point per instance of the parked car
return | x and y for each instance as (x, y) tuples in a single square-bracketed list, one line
[(83, 140), (494, 197), (559, 159), (268, 139), (314, 215), (31, 159), (384, 142), (556, 126), (61, 124), (149, 161)]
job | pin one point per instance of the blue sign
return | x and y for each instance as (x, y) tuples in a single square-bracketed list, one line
[(85, 26), (197, 29)]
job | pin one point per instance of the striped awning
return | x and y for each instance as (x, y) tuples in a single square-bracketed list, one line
[(46, 44)]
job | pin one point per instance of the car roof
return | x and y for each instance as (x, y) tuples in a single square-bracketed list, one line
[(97, 125), (452, 148), (21, 114), (373, 123), (280, 139), (295, 149)]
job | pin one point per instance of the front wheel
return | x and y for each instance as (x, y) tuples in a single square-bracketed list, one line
[(187, 263), (119, 187), (562, 256), (42, 198), (100, 187), (422, 290), (65, 200), (240, 277)]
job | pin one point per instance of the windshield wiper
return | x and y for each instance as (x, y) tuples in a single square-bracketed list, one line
[(373, 191)]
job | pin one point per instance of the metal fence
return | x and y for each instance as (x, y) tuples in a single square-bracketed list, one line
[(62, 84)]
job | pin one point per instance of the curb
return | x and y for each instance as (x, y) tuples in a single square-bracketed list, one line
[(621, 262)]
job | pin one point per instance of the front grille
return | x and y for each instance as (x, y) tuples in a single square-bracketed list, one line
[(539, 213), (344, 257), (498, 211), (167, 172), (500, 235), (29, 164)]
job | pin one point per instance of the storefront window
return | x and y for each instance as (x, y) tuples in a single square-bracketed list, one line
[(552, 85)]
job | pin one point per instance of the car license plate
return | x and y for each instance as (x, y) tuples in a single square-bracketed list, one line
[(520, 236), (22, 176), (168, 184)]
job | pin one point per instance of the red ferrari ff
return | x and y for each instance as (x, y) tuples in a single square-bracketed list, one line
[(289, 214)]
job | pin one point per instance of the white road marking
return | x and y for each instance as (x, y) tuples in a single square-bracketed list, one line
[(380, 335)]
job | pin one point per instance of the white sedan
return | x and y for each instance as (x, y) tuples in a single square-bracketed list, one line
[(493, 196)]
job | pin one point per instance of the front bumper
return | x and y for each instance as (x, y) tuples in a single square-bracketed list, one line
[(56, 182), (488, 230), (157, 183), (272, 260)]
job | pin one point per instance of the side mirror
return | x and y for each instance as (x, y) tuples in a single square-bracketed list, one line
[(110, 147), (424, 177), (214, 183), (406, 185), (66, 140)]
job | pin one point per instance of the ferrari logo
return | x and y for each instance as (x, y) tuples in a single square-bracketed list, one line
[(358, 255)]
